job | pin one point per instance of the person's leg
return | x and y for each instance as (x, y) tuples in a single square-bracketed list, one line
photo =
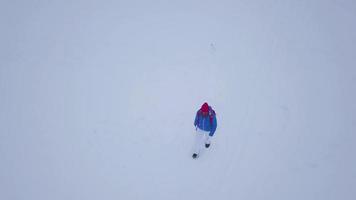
[(207, 140), (199, 141)]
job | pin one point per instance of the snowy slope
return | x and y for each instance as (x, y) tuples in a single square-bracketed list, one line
[(98, 99)]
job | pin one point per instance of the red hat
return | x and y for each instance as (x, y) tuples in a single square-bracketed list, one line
[(205, 107)]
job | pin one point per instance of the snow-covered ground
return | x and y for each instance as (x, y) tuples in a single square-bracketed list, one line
[(98, 98)]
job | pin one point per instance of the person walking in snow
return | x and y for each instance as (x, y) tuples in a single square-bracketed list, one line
[(205, 124)]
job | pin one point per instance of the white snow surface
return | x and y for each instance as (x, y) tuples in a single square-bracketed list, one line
[(98, 98)]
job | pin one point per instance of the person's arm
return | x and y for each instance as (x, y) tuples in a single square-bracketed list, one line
[(213, 127), (196, 120)]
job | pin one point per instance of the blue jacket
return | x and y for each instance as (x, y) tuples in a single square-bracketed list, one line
[(206, 123)]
